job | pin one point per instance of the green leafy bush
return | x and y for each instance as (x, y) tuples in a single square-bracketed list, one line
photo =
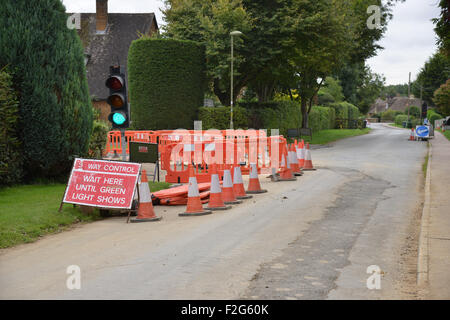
[(98, 139), (10, 146), (167, 82), (388, 115), (55, 110), (415, 122), (399, 119), (433, 116), (413, 111)]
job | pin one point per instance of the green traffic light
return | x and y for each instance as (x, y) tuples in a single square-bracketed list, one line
[(118, 118)]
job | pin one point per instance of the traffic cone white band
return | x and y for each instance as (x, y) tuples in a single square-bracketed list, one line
[(237, 178), (193, 188), (253, 171), (215, 184), (144, 192), (308, 155), (227, 183)]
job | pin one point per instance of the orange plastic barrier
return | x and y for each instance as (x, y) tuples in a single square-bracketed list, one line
[(176, 156), (179, 148)]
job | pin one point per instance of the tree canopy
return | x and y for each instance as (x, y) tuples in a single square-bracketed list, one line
[(287, 44), (47, 60)]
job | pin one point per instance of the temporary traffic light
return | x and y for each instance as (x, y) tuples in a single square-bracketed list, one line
[(424, 110), (120, 112)]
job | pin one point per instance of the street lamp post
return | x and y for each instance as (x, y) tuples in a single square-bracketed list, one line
[(232, 33)]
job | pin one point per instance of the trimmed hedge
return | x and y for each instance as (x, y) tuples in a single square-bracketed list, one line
[(55, 108), (10, 146), (219, 118), (166, 81), (282, 115), (345, 112), (322, 118)]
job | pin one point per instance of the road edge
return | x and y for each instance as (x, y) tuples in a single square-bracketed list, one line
[(423, 256)]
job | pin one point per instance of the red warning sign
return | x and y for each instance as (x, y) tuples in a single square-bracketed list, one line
[(105, 184)]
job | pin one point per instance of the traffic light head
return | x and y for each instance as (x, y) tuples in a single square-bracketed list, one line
[(120, 115)]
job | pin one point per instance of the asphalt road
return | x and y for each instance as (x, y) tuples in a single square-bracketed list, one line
[(307, 239)]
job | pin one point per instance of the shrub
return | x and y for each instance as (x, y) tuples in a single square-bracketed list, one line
[(399, 119), (219, 118), (388, 115), (433, 116), (98, 139), (166, 82), (55, 110), (413, 111), (442, 98), (415, 122), (10, 146)]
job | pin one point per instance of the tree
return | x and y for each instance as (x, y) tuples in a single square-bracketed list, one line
[(48, 61), (321, 44), (210, 22), (442, 28), (435, 72), (10, 146), (353, 74), (330, 89), (442, 99), (369, 90), (394, 90)]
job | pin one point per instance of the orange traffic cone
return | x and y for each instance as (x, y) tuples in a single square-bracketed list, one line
[(253, 185), (194, 203), (238, 184), (294, 161), (228, 195), (215, 196), (146, 212), (286, 172), (301, 154), (308, 161), (412, 136)]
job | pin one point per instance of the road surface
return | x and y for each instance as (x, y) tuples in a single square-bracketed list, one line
[(307, 239)]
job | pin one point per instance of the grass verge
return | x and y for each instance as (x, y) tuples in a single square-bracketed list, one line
[(446, 133), (397, 125), (327, 136), (28, 212), (156, 186), (425, 163)]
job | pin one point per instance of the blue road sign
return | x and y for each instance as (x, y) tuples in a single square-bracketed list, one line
[(422, 131)]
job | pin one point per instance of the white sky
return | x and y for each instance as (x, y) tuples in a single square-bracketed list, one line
[(408, 42)]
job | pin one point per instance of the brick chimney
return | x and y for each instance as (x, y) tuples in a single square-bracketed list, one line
[(102, 15)]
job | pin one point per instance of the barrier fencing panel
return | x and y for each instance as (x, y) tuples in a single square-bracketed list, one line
[(226, 148)]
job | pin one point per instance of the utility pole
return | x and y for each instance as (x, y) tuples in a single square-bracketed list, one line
[(409, 95)]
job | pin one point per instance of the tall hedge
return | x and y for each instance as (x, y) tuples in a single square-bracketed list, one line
[(345, 113), (55, 108), (219, 118), (10, 146), (166, 81)]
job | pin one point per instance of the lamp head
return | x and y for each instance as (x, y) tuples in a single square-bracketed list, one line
[(236, 33)]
